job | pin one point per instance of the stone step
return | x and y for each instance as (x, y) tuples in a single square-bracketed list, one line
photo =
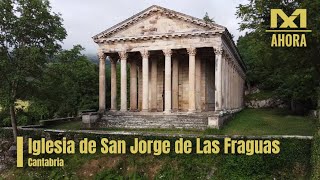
[(155, 122), (140, 121)]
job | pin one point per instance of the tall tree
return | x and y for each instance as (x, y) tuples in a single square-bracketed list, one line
[(207, 18), (29, 35), (68, 85), (291, 73)]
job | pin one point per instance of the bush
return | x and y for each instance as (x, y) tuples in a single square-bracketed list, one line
[(315, 158)]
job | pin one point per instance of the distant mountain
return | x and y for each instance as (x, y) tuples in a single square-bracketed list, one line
[(94, 58)]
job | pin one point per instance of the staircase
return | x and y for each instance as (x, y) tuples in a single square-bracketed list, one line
[(153, 121)]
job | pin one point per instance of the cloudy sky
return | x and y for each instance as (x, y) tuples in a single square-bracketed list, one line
[(86, 18)]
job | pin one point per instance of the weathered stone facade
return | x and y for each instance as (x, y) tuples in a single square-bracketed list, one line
[(178, 63)]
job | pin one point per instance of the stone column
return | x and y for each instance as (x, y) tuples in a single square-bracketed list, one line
[(218, 79), (238, 92), (175, 84), (198, 83), (123, 94), (237, 88), (113, 63), (153, 84), (227, 83), (230, 84), (102, 81), (167, 94), (241, 91), (145, 80), (233, 86), (133, 86), (192, 79), (223, 88)]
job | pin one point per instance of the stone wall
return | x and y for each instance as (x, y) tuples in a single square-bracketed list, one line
[(205, 82), (184, 83), (160, 84), (210, 86)]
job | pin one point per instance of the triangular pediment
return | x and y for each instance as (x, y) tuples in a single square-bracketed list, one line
[(157, 21)]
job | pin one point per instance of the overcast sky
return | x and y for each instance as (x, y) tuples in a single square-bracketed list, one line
[(86, 18)]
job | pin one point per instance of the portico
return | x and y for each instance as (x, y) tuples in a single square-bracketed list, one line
[(178, 64)]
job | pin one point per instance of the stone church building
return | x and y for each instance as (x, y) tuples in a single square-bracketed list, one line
[(184, 72)]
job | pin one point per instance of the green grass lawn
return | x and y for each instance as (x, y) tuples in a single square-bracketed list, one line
[(292, 163), (269, 122), (247, 122)]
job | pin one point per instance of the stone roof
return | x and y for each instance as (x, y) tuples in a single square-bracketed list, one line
[(170, 13), (211, 28)]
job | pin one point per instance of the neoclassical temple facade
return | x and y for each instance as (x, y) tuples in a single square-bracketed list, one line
[(178, 64)]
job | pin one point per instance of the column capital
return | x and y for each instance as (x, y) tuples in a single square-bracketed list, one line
[(112, 60), (167, 52), (218, 51), (101, 55), (192, 51), (144, 54), (123, 55), (228, 59)]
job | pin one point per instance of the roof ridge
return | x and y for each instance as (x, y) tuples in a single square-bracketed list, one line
[(148, 9)]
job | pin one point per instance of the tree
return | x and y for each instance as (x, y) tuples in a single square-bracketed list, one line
[(291, 73), (69, 84), (29, 35), (207, 19)]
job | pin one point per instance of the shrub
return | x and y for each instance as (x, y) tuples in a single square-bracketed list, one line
[(315, 158)]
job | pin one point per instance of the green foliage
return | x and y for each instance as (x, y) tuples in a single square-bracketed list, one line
[(315, 158), (293, 162), (268, 122), (68, 85), (291, 73), (262, 95), (29, 34), (250, 122), (207, 19)]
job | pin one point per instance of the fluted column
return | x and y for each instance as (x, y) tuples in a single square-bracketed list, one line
[(167, 94), (152, 84), (192, 79), (223, 88), (123, 94), (102, 81), (145, 80), (218, 79), (238, 104), (113, 63), (230, 85), (227, 84), (233, 86), (237, 88), (133, 86), (240, 99), (175, 84), (198, 83)]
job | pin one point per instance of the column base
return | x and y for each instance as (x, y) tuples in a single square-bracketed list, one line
[(167, 111), (112, 110), (123, 110), (101, 111), (191, 111)]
